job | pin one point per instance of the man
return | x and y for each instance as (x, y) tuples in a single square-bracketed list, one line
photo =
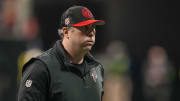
[(66, 72)]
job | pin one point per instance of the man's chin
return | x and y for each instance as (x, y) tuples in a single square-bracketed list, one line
[(87, 48)]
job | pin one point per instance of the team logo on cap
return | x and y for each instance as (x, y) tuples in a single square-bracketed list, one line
[(67, 21), (86, 13), (28, 83)]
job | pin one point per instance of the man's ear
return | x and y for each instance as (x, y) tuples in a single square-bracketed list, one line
[(65, 32)]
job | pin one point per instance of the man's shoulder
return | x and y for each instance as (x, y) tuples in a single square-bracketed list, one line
[(34, 64), (38, 61)]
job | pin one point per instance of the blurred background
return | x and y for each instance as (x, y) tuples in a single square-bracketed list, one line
[(138, 46)]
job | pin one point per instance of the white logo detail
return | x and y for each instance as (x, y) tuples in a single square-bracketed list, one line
[(28, 83), (67, 21)]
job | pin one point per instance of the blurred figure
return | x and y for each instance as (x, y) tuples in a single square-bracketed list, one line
[(117, 85), (9, 12), (17, 20), (7, 18), (27, 25), (158, 75)]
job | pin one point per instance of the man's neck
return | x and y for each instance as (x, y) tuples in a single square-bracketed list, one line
[(76, 56)]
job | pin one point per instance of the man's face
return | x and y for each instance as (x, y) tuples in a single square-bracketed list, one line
[(82, 37)]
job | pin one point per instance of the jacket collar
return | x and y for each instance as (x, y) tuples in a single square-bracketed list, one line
[(63, 56)]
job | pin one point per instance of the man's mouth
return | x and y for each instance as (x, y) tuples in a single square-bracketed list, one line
[(90, 42)]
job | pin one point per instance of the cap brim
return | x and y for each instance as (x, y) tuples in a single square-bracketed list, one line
[(87, 22)]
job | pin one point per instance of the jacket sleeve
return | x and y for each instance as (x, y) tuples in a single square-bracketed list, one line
[(35, 83), (102, 74)]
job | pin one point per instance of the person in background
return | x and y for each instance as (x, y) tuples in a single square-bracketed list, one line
[(158, 75), (117, 83)]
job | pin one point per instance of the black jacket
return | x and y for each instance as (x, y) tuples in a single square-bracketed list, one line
[(51, 77)]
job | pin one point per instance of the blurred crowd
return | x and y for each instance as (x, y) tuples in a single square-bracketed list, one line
[(18, 24), (157, 74), (19, 41)]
